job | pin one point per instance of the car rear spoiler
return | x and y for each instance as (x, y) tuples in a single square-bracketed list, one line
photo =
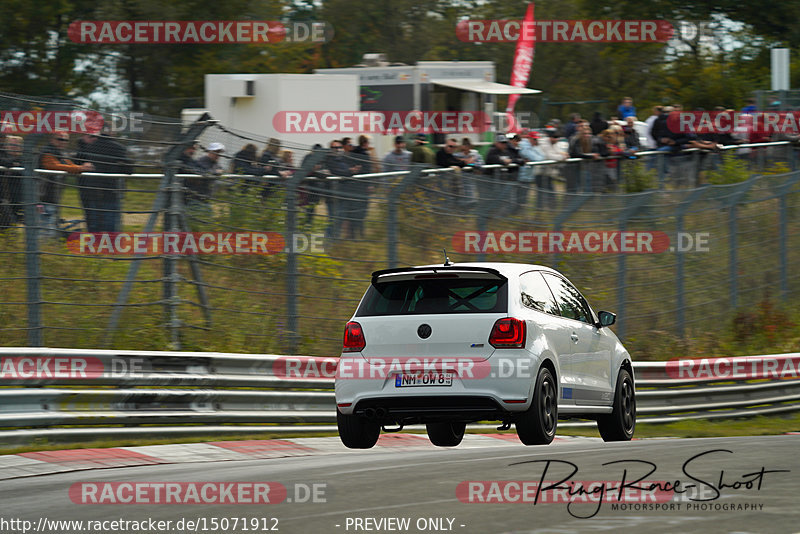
[(436, 269)]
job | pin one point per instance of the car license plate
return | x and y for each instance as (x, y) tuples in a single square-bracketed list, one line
[(423, 379)]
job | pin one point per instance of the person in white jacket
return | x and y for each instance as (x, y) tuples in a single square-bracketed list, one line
[(554, 148), (527, 144)]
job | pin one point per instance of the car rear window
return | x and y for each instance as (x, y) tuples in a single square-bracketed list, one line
[(438, 295)]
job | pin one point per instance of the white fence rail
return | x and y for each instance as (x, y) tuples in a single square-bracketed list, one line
[(61, 394)]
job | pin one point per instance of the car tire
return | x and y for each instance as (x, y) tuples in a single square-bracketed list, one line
[(537, 425), (621, 422), (357, 432), (446, 434)]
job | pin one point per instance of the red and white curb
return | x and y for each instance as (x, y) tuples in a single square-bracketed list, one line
[(47, 462)]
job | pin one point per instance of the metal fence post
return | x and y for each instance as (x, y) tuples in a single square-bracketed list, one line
[(490, 193), (680, 290), (292, 315), (171, 275), (33, 264), (391, 223), (733, 260), (586, 175), (661, 163), (579, 200), (783, 221), (622, 269), (160, 203)]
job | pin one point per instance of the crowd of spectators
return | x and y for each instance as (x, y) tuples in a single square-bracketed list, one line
[(602, 142)]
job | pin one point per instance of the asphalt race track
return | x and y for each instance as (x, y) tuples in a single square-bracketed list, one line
[(737, 488)]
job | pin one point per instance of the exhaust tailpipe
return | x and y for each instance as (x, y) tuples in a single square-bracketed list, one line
[(369, 413), (380, 413)]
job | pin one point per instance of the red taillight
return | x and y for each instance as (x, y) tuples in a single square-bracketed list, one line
[(508, 333), (353, 338)]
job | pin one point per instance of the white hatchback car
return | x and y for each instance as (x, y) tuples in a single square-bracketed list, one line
[(447, 345)]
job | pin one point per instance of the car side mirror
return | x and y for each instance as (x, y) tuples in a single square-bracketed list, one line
[(607, 318)]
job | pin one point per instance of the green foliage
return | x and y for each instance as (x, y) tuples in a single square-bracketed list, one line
[(732, 171), (638, 178)]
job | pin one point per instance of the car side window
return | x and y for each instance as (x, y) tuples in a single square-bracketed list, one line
[(570, 301), (535, 293)]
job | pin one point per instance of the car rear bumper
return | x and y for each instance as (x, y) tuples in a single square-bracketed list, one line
[(426, 409), (489, 390)]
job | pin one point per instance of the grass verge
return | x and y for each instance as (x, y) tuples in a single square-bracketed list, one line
[(702, 428)]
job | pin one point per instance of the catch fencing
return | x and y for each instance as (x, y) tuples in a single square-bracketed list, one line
[(725, 265), (94, 394)]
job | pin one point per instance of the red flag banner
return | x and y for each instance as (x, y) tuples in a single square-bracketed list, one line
[(523, 59)]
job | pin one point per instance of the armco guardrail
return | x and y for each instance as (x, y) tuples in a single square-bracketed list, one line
[(72, 393)]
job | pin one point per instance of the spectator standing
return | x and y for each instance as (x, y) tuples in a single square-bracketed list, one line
[(347, 143), (188, 165), (473, 161), (468, 154), (615, 152), (286, 162), (529, 151), (750, 107), (398, 159), (269, 157), (651, 141), (101, 196), (661, 132), (199, 189), (269, 165), (53, 158), (358, 189), (212, 162), (626, 109), (446, 158), (598, 124), (586, 145), (11, 197), (421, 153), (555, 149), (503, 153), (312, 187), (631, 135), (246, 161), (344, 211), (571, 128)]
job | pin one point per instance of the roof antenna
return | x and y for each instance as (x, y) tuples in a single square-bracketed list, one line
[(447, 261)]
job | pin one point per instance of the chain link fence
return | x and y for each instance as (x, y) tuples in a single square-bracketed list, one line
[(331, 217)]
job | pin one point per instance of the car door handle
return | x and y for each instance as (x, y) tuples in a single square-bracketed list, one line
[(574, 337)]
